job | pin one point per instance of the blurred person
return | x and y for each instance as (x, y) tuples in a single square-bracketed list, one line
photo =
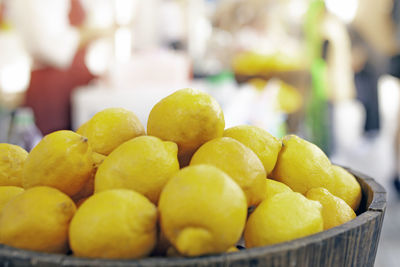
[(376, 36), (367, 67), (374, 41), (378, 22), (50, 34)]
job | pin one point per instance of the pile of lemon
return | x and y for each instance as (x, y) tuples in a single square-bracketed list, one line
[(189, 187)]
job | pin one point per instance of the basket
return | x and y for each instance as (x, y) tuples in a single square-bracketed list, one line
[(351, 244)]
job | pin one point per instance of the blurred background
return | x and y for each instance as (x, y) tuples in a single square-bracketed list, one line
[(327, 71)]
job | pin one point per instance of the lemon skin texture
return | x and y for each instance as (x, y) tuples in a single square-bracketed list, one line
[(114, 224), (202, 211), (62, 159), (12, 159), (37, 219)]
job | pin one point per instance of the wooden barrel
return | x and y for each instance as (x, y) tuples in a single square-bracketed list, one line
[(352, 244)]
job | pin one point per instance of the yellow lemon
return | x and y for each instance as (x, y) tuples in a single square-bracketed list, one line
[(346, 187), (265, 145), (334, 210), (62, 160), (7, 193), (232, 249), (283, 217), (187, 117), (144, 164), (302, 165), (258, 83), (275, 187), (115, 224), (97, 159), (37, 219), (82, 129), (289, 98), (202, 211), (109, 128), (239, 162), (12, 158)]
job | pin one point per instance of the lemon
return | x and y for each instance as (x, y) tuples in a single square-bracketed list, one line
[(114, 224), (12, 158), (187, 117), (346, 187), (7, 193), (202, 211), (61, 160), (275, 187), (97, 159), (37, 219), (239, 162), (232, 249), (283, 217), (334, 210), (109, 128), (265, 145), (289, 99), (82, 129), (258, 83), (143, 164), (302, 165)]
